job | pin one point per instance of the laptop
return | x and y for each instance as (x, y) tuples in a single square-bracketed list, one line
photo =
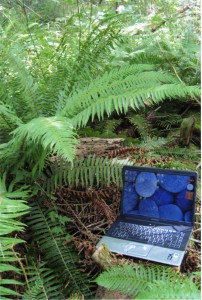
[(156, 215)]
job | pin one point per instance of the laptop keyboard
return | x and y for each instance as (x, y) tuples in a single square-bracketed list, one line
[(148, 234)]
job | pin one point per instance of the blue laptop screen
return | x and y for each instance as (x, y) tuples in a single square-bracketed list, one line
[(159, 195)]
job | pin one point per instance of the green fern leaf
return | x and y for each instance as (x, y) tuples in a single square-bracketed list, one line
[(90, 171), (11, 207), (174, 290), (151, 282), (59, 255), (43, 284), (122, 279), (55, 134), (121, 89), (8, 116)]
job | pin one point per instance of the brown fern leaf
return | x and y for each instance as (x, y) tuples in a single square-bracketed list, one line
[(126, 151), (105, 209), (151, 161)]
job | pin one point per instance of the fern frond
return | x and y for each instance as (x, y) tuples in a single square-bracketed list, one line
[(50, 235), (169, 120), (22, 86), (8, 116), (151, 282), (175, 290), (85, 172), (153, 143), (120, 89), (109, 128), (43, 284), (11, 207), (141, 125), (55, 134), (177, 152), (120, 279)]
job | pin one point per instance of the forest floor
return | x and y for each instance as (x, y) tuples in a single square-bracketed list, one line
[(94, 210)]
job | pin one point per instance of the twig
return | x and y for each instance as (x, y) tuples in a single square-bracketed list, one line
[(197, 230), (170, 63), (196, 241), (88, 232), (22, 268), (183, 9)]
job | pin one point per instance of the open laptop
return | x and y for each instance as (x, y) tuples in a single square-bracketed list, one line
[(156, 216)]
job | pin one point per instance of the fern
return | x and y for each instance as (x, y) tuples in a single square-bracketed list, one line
[(152, 282), (120, 89), (54, 135), (43, 284), (49, 234), (86, 172), (167, 121), (178, 153), (141, 125), (8, 117), (22, 86), (175, 290), (110, 127), (10, 209)]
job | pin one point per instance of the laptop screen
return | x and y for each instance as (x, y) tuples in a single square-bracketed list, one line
[(161, 194)]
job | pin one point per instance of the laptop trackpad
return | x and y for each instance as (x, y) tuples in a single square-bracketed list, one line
[(125, 247), (135, 248)]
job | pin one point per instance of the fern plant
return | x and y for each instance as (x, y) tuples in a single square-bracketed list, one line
[(86, 172), (151, 282), (47, 94), (54, 244), (12, 206), (43, 284), (41, 121)]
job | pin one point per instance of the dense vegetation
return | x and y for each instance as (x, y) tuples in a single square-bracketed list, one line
[(107, 69)]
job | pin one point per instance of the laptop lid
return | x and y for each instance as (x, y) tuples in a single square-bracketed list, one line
[(161, 195)]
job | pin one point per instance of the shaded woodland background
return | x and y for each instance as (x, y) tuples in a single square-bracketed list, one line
[(87, 87)]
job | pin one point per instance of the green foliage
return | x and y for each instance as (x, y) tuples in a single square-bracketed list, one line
[(43, 284), (121, 89), (86, 172), (54, 244), (11, 208), (56, 76), (167, 121), (117, 90), (141, 125), (151, 282)]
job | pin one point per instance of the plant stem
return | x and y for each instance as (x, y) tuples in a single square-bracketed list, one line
[(78, 11), (22, 268)]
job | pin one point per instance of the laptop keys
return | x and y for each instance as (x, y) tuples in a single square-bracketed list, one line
[(148, 234)]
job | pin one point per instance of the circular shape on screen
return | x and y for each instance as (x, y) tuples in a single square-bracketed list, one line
[(170, 212), (184, 203), (162, 197), (148, 208), (173, 183), (188, 217), (146, 184), (190, 187)]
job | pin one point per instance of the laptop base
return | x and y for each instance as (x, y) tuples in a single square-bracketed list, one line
[(144, 251)]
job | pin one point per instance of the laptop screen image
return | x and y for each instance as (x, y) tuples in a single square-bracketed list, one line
[(159, 195)]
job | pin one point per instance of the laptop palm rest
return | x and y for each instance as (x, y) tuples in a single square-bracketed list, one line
[(125, 247)]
